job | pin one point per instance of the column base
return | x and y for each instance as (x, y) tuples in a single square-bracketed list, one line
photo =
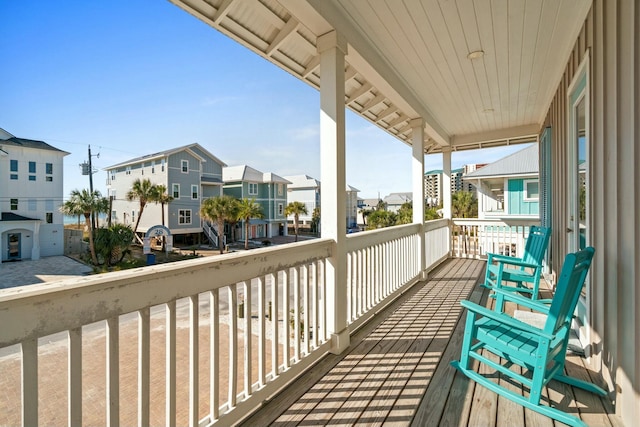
[(340, 341)]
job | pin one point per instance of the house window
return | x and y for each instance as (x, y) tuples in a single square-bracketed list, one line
[(32, 167), (162, 165), (194, 192), (113, 175), (280, 209), (49, 168), (127, 171), (185, 166), (49, 216), (114, 217), (280, 189), (531, 190), (14, 204), (153, 167), (14, 176), (33, 205), (32, 177), (253, 188), (184, 216), (133, 216), (48, 205), (49, 179), (14, 166), (175, 190)]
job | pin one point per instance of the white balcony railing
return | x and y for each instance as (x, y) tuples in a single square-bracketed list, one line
[(261, 317), (475, 238)]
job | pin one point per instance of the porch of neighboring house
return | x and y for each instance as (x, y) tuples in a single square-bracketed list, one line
[(397, 371)]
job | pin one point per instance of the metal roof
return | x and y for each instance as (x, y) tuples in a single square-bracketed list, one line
[(246, 173), (165, 153), (479, 74), (523, 162)]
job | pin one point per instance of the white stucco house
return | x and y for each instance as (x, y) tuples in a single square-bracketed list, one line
[(306, 189), (31, 193)]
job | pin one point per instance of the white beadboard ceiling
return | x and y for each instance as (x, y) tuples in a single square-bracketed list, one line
[(409, 58)]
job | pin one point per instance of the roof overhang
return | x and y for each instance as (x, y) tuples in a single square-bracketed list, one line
[(413, 60)]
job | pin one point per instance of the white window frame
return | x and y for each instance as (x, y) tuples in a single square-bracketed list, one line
[(184, 164), (280, 209), (280, 189), (195, 191), (183, 215), (14, 204), (254, 186), (525, 190), (48, 217), (127, 170), (173, 191)]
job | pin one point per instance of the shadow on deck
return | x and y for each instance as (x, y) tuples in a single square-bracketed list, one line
[(397, 370)]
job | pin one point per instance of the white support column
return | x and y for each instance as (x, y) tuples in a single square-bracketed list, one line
[(417, 176), (332, 48), (446, 182)]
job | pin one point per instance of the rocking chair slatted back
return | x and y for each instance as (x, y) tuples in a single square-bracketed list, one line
[(536, 245)]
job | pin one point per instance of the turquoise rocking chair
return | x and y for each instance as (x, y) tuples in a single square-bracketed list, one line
[(540, 351), (520, 271)]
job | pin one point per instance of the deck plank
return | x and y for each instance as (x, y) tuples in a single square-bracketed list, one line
[(397, 372)]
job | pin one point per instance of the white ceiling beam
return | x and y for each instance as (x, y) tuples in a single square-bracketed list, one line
[(350, 73), (395, 122), (518, 132), (366, 87), (311, 66), (289, 27), (379, 98), (387, 112), (222, 11)]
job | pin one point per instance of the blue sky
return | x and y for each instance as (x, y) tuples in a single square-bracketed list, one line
[(135, 77)]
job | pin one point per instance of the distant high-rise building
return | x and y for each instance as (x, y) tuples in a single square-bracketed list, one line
[(433, 182)]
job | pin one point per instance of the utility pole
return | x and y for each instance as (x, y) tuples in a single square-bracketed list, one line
[(87, 169)]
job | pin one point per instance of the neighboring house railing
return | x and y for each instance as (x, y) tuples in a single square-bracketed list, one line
[(475, 238), (210, 232)]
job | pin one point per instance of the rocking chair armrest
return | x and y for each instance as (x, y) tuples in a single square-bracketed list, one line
[(511, 296), (517, 262), (498, 257), (504, 319)]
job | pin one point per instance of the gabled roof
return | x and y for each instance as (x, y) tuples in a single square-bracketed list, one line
[(166, 153), (523, 162), (30, 143), (398, 198), (301, 181), (246, 173), (350, 188)]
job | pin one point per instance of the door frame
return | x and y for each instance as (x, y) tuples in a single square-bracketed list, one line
[(579, 90)]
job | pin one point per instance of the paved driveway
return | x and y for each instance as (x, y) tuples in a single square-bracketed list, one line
[(48, 269)]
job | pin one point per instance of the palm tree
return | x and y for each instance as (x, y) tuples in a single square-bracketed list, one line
[(162, 196), (295, 209), (248, 209), (84, 202), (218, 209), (462, 204), (144, 191)]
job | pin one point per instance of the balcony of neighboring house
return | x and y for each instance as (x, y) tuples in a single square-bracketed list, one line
[(212, 340)]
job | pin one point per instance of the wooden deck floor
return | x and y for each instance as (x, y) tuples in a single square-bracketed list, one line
[(397, 371)]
